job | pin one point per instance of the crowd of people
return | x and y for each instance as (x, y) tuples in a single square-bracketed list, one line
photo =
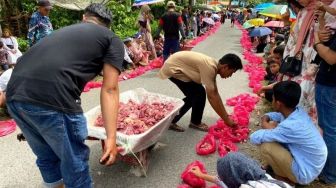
[(297, 140)]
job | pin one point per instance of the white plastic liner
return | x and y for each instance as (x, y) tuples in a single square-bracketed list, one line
[(139, 142)]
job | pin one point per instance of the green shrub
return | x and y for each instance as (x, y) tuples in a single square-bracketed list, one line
[(23, 44)]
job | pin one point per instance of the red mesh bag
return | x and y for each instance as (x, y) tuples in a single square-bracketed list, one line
[(207, 145), (192, 180), (7, 127), (226, 146)]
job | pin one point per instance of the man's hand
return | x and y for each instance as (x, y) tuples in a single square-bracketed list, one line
[(269, 125), (196, 171), (230, 122), (323, 35), (261, 90), (110, 152)]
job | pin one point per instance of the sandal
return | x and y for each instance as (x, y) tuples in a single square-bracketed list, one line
[(176, 128), (201, 127)]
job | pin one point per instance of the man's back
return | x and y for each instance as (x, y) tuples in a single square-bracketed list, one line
[(55, 70), (170, 22)]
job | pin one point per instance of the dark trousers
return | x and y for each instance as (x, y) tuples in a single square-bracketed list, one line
[(170, 46), (194, 98)]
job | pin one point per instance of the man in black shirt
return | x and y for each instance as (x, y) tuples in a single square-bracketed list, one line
[(171, 24), (43, 96)]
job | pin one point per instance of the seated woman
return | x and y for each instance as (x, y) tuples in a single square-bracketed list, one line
[(3, 57), (137, 48), (11, 45)]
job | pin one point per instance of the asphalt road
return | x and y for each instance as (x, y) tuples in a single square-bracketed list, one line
[(17, 162)]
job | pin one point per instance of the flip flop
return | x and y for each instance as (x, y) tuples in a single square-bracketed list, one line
[(176, 128), (201, 127)]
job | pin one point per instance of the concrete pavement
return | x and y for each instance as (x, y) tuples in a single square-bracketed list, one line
[(17, 162)]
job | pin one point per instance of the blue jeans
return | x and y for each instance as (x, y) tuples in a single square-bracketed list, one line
[(57, 139), (170, 46), (326, 111)]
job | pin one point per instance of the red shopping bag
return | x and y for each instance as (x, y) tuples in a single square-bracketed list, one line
[(192, 180), (207, 145)]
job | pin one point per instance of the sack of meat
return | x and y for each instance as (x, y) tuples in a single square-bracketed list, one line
[(143, 118)]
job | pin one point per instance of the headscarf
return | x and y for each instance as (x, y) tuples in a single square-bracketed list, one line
[(306, 23), (236, 168), (143, 10)]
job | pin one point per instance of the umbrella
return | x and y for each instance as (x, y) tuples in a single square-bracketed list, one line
[(215, 16), (216, 8), (247, 25), (209, 21), (204, 7), (276, 11), (262, 6), (260, 31), (256, 21), (146, 2), (275, 24)]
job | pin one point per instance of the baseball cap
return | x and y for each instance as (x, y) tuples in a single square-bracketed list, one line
[(44, 3), (171, 4)]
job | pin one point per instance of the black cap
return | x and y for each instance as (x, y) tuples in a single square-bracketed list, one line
[(44, 3)]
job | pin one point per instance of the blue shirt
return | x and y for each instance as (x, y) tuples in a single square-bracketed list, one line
[(39, 27), (297, 133)]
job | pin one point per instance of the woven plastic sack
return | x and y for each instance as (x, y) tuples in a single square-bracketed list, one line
[(207, 145), (192, 180)]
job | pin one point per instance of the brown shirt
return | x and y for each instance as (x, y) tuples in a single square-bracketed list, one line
[(190, 66)]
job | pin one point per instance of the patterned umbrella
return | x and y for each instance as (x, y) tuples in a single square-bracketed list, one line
[(263, 6), (276, 11), (146, 2)]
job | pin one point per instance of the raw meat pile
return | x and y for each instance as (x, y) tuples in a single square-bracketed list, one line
[(137, 118)]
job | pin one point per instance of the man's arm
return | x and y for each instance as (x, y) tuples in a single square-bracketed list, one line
[(277, 134), (109, 100), (217, 104), (33, 25)]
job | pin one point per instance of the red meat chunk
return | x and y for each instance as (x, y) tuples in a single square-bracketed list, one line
[(134, 118)]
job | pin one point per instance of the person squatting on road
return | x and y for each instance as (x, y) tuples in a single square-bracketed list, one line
[(189, 71), (43, 96)]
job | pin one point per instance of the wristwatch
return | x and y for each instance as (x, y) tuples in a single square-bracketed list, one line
[(315, 45)]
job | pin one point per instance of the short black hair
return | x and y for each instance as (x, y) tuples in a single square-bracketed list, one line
[(232, 60), (101, 12), (1, 44), (287, 92), (279, 50)]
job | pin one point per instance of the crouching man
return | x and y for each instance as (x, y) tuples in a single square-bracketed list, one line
[(189, 71), (289, 141)]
